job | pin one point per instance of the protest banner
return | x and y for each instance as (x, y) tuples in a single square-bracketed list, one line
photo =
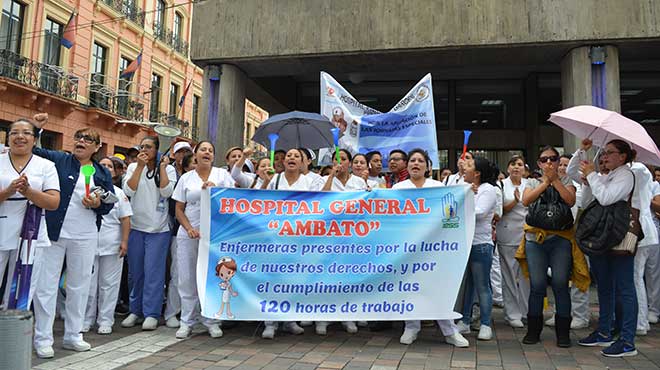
[(408, 125), (379, 255)]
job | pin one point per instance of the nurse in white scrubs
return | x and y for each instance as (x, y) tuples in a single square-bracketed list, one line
[(419, 168), (291, 178), (247, 180), (108, 262), (24, 178), (187, 194)]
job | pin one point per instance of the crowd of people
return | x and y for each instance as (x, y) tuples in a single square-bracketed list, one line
[(146, 207)]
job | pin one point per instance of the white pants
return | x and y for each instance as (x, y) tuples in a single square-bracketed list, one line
[(48, 265), (173, 302), (641, 257), (580, 309), (496, 278), (7, 258), (448, 327), (187, 284), (104, 290), (515, 287), (652, 272)]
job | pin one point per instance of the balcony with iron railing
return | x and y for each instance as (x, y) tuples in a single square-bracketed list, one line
[(120, 103), (172, 39), (129, 9), (172, 120), (44, 77)]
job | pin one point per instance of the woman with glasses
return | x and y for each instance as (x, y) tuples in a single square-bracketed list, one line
[(614, 273), (73, 230), (187, 194), (549, 242), (109, 261), (24, 179), (149, 183), (419, 167), (515, 288)]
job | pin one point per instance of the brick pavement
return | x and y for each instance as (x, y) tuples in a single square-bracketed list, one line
[(242, 348)]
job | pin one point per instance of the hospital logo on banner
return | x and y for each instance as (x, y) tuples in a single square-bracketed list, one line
[(450, 219)]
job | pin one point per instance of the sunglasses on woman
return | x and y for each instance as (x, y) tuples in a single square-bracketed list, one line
[(552, 158)]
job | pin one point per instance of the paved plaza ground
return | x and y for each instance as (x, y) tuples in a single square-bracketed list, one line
[(242, 348)]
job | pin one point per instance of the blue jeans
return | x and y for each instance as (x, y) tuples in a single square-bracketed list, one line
[(478, 276), (147, 259), (615, 278), (555, 252)]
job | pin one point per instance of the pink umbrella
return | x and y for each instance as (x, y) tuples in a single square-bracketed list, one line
[(601, 125)]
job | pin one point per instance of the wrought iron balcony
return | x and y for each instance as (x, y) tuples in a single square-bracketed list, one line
[(119, 103), (175, 41), (48, 78), (129, 9), (171, 120)]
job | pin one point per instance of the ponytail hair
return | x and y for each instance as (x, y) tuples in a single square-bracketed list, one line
[(488, 171)]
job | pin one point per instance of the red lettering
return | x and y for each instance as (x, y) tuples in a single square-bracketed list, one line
[(361, 228), (351, 207), (393, 207), (336, 207), (286, 229), (303, 228), (365, 206), (226, 205), (379, 206), (269, 206), (319, 227), (316, 208), (242, 206), (303, 209)]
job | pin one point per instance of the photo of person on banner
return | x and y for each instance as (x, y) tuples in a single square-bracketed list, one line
[(225, 270)]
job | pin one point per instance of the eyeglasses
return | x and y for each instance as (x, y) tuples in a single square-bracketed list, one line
[(86, 138), (610, 152), (21, 133), (396, 159), (552, 158)]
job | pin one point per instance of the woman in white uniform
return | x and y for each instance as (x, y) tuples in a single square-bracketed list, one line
[(187, 194), (73, 231), (108, 262), (149, 182), (248, 180), (419, 165), (339, 179), (291, 178), (515, 287), (24, 178)]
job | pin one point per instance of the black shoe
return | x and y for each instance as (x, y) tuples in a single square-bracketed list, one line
[(562, 330), (380, 325), (534, 328), (122, 309)]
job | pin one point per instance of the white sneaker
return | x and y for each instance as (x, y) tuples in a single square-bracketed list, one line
[(79, 346), (172, 322), (550, 321), (150, 323), (321, 328), (516, 324), (215, 331), (463, 328), (457, 340), (269, 332), (306, 323), (485, 333), (653, 318), (85, 328), (293, 328), (362, 324), (131, 320), (45, 352), (350, 327), (104, 330), (641, 332), (409, 336), (184, 331), (579, 324)]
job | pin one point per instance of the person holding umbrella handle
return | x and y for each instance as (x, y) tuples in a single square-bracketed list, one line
[(73, 231), (23, 176)]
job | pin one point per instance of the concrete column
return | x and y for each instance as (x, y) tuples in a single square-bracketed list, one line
[(229, 99), (576, 84)]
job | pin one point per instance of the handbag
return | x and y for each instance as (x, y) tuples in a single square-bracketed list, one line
[(628, 246), (609, 229), (550, 212)]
